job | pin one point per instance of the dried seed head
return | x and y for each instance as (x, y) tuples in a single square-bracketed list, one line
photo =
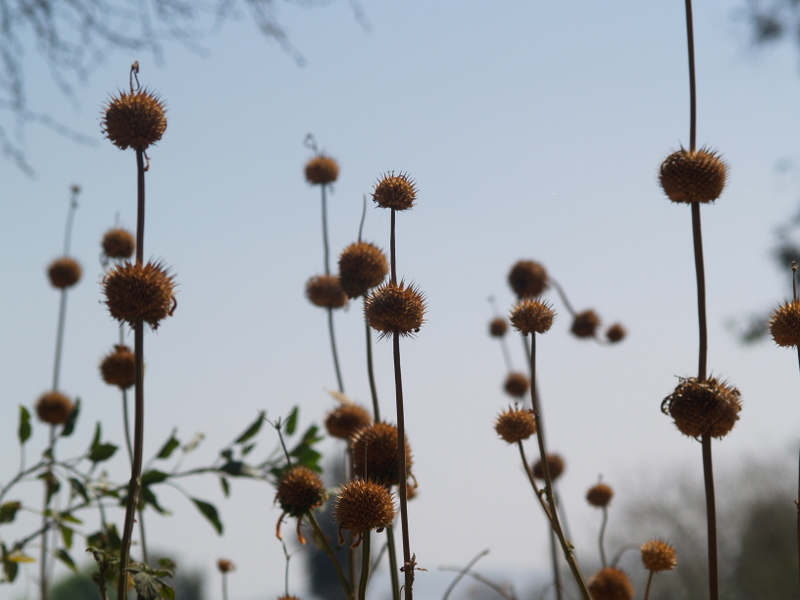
[(225, 566), (299, 490), (515, 424), (118, 367), (516, 385), (118, 243), (134, 291), (363, 505), (532, 316), (374, 450), (585, 324), (610, 584), (362, 266), (707, 407), (498, 327), (134, 120), (658, 555), (528, 279), (395, 308), (64, 272), (345, 420), (54, 408), (784, 324), (691, 177), (326, 291), (397, 192), (322, 170), (554, 462), (616, 333), (599, 495)]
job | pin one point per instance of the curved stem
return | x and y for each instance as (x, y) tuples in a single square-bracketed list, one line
[(602, 537), (692, 79), (463, 572), (325, 247), (376, 412), (697, 236), (647, 589), (334, 351), (562, 294)]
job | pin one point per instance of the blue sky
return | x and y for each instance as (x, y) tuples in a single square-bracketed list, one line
[(533, 130)]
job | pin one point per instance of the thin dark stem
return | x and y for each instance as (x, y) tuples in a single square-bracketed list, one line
[(334, 351), (463, 572), (363, 216), (647, 589), (373, 389), (562, 294), (402, 484), (711, 517), (62, 317), (692, 79), (347, 588), (44, 582), (393, 570), (365, 552), (73, 206), (325, 247), (556, 567), (602, 537), (697, 236), (392, 256)]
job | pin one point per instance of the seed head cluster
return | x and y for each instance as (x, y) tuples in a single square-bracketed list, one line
[(600, 495), (118, 367), (515, 424), (703, 407), (118, 243), (691, 177), (134, 120), (64, 272), (528, 279), (658, 555), (397, 192), (326, 291), (498, 327), (225, 566), (374, 450), (784, 324), (516, 385), (363, 505), (322, 170), (362, 266), (346, 420), (616, 333), (611, 583), (532, 316), (554, 463), (585, 324), (135, 291), (54, 408), (299, 490), (395, 308)]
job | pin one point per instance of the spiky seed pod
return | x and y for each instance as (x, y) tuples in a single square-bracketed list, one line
[(134, 120), (326, 291), (784, 324), (600, 495), (118, 243), (64, 272), (135, 291), (528, 279), (532, 316), (299, 491), (703, 407), (610, 584), (54, 408), (498, 327), (395, 308), (362, 266), (616, 333), (658, 555), (322, 170), (225, 566), (515, 424), (690, 177), (398, 192), (363, 505), (555, 464), (516, 385), (585, 324), (346, 420), (374, 450), (117, 368)]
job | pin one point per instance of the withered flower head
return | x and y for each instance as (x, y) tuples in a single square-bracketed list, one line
[(691, 177), (326, 291), (118, 243), (784, 324), (398, 192), (395, 308), (322, 170), (498, 327), (134, 120), (610, 584), (225, 566), (703, 407), (54, 408), (344, 421), (516, 385), (600, 495), (515, 424), (299, 491), (135, 291), (374, 450), (616, 333), (532, 316), (658, 555), (64, 272), (554, 462), (585, 324), (363, 505), (528, 279), (362, 266), (117, 368)]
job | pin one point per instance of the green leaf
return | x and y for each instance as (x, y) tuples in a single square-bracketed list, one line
[(24, 431), (8, 511), (148, 587), (66, 535), (78, 489), (247, 448), (226, 488), (238, 468), (209, 512), (169, 447), (68, 518), (52, 485), (102, 452), (152, 476), (168, 593), (69, 426), (291, 421), (150, 498), (64, 557), (252, 430)]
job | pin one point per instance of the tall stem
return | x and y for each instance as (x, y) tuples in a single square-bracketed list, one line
[(393, 562), (325, 247), (701, 292), (711, 517), (334, 351), (365, 556), (376, 412), (602, 537), (408, 564)]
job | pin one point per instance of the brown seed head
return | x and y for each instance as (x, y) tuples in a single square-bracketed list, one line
[(532, 316), (118, 243), (515, 424), (322, 170), (658, 555), (64, 272), (610, 584), (54, 408), (395, 308), (326, 291), (362, 266), (516, 385), (498, 327), (784, 324), (134, 120), (707, 407), (134, 291), (398, 192), (345, 420), (554, 462), (691, 177), (374, 451), (599, 495), (117, 368), (616, 333), (225, 566), (528, 279), (585, 324), (300, 490), (363, 505)]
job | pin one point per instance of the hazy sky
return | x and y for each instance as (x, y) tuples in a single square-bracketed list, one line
[(533, 130)]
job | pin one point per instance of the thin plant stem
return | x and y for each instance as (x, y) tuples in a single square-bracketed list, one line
[(127, 425), (711, 517), (334, 351), (376, 411), (692, 78), (563, 295), (602, 537), (649, 581), (701, 291), (463, 572), (402, 484), (62, 317), (556, 568), (797, 505), (325, 247), (224, 586), (365, 553), (794, 298), (346, 586), (393, 571)]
